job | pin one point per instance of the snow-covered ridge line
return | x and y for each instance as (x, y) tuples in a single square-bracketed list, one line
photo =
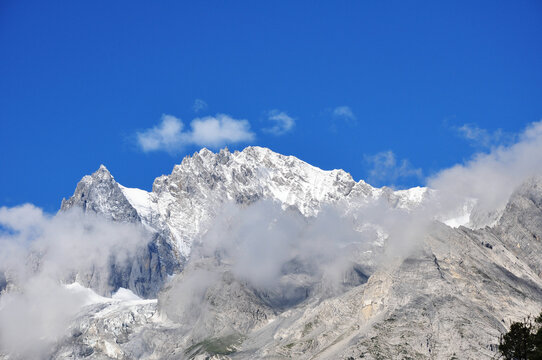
[(182, 202), (189, 196), (318, 183)]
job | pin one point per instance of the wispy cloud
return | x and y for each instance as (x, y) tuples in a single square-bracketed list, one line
[(344, 113), (491, 177), (386, 169), (340, 116), (483, 138), (282, 122), (212, 131), (199, 105)]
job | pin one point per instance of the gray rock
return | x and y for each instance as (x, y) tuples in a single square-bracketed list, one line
[(148, 270)]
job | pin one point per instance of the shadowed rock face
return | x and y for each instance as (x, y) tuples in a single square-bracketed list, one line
[(148, 270), (3, 282), (99, 193)]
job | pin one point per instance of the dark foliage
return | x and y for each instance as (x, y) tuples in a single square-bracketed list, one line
[(523, 341)]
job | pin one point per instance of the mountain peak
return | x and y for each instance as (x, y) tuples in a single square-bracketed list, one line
[(102, 173), (205, 152), (101, 194)]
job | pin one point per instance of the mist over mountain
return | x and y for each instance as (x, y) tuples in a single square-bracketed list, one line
[(257, 255)]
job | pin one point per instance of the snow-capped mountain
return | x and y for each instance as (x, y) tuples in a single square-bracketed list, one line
[(362, 272), (183, 204)]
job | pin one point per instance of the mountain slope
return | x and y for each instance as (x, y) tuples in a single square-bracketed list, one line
[(450, 298)]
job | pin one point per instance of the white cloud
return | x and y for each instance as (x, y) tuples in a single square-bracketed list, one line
[(39, 253), (211, 131), (285, 256), (344, 113), (219, 130), (165, 136), (199, 105), (277, 252), (490, 178), (283, 122), (487, 179), (386, 168)]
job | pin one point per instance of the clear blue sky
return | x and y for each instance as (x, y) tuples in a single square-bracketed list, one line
[(79, 80)]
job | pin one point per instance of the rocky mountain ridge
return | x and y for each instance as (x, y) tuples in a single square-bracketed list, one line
[(182, 205)]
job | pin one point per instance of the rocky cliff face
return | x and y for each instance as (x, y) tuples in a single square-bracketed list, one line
[(99, 193), (449, 297), (146, 273), (520, 226)]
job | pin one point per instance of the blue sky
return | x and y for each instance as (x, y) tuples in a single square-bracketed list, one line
[(391, 91)]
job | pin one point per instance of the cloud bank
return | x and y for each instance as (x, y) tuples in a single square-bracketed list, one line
[(210, 131), (41, 252), (491, 177), (279, 254), (281, 258)]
